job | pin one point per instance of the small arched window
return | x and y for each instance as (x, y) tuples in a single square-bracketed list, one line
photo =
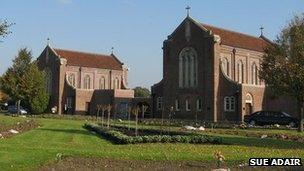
[(254, 74), (188, 107), (240, 72), (102, 83), (226, 66), (48, 81), (71, 79), (116, 83), (199, 104), (177, 105), (87, 82)]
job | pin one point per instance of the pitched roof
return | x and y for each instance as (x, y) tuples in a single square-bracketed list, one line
[(236, 39), (84, 59)]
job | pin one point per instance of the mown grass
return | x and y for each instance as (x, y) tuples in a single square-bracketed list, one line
[(35, 148), (6, 121)]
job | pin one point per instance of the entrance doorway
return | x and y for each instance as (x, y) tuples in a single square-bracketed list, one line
[(248, 104), (248, 109)]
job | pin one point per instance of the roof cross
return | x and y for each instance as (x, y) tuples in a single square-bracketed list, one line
[(188, 10), (48, 41), (112, 50), (262, 29)]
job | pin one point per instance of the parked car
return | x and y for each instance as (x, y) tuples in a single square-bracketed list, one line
[(14, 110), (270, 118)]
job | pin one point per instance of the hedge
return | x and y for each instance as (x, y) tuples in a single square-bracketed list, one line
[(120, 138)]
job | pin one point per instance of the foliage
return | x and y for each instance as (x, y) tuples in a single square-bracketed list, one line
[(4, 26), (141, 92), (120, 138), (283, 64), (23, 81), (3, 97)]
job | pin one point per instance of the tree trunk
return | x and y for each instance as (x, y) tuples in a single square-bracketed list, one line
[(102, 116), (300, 111), (18, 107)]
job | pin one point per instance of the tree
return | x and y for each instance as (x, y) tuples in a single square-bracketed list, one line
[(3, 97), (283, 65), (33, 85), (141, 92), (4, 28), (23, 82)]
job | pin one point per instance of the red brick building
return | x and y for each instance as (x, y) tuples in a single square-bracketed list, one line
[(210, 73), (79, 81)]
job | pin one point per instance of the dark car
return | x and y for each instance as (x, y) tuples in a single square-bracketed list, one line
[(270, 118), (14, 110)]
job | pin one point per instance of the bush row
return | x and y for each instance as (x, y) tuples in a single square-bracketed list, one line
[(120, 138)]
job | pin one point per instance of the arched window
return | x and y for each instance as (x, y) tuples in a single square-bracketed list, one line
[(48, 81), (177, 105), (226, 66), (249, 98), (71, 79), (199, 104), (240, 72), (102, 83), (116, 83), (254, 74), (87, 82), (188, 107), (188, 68)]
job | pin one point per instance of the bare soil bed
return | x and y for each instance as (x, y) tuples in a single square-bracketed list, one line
[(19, 127), (118, 164), (80, 164)]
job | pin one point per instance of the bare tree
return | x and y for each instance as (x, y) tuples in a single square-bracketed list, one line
[(135, 111), (109, 108)]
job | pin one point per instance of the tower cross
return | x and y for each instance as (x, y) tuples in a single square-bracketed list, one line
[(188, 10)]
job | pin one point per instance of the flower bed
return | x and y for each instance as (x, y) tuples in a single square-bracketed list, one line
[(19, 127), (114, 134)]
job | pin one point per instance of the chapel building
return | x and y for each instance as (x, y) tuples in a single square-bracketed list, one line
[(211, 73), (78, 82)]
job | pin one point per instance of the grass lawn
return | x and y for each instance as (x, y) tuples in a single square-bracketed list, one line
[(6, 121), (37, 147)]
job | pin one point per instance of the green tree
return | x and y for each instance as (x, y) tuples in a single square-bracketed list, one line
[(141, 92), (4, 28), (283, 65), (23, 82), (33, 85)]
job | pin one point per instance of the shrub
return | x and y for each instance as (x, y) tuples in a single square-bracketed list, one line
[(120, 138)]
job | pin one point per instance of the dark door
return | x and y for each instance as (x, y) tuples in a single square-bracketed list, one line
[(87, 107), (248, 109)]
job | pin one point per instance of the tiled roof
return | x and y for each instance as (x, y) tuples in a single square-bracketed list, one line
[(84, 59), (235, 39)]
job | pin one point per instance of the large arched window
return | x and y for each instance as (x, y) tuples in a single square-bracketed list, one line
[(240, 72), (254, 74), (116, 83), (102, 83), (87, 82), (71, 79), (188, 68), (48, 81), (226, 66)]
